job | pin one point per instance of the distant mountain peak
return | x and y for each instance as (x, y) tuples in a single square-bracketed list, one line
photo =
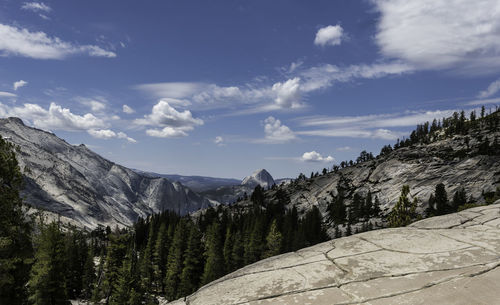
[(259, 177)]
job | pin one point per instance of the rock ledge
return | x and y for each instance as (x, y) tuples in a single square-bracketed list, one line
[(451, 259)]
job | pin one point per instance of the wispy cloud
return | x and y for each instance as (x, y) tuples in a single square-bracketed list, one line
[(484, 102), (127, 109), (7, 94), (36, 7), (22, 42), (492, 89), (377, 126)]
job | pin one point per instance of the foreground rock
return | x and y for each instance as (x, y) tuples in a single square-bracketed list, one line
[(451, 259)]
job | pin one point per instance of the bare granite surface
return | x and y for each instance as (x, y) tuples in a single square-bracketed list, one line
[(450, 259)]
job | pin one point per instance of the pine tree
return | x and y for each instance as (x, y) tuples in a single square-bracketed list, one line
[(441, 199), (175, 261), (228, 249), (116, 251), (274, 240), (459, 198), (15, 231), (214, 266), (193, 263), (124, 283), (404, 210), (160, 255), (146, 269), (47, 283), (237, 251), (89, 275)]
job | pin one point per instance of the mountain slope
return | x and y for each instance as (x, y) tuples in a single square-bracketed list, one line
[(468, 159), (77, 183), (196, 183)]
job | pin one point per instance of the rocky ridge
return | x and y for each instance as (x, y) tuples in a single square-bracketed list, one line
[(77, 183), (450, 259), (454, 161)]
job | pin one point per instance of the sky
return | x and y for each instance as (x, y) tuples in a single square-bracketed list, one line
[(222, 88)]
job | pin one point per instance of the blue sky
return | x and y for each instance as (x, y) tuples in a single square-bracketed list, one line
[(221, 88)]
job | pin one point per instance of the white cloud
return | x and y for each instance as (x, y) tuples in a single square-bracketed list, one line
[(344, 148), (109, 134), (492, 89), (324, 76), (314, 156), (484, 102), (54, 118), (177, 90), (276, 133), (128, 109), (36, 7), (287, 93), (102, 133), (19, 84), (93, 104), (432, 34), (22, 42), (219, 141), (376, 126), (7, 94), (172, 123), (329, 36)]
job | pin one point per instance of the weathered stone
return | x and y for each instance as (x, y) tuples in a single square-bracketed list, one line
[(421, 264)]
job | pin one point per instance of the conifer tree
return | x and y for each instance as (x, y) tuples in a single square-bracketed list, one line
[(441, 199), (274, 240), (124, 283), (237, 251), (404, 210), (147, 270), (193, 263), (116, 251), (459, 198), (160, 255), (15, 231), (228, 249), (175, 261), (89, 275), (47, 283), (214, 266)]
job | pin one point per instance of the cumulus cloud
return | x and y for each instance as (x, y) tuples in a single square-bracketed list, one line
[(36, 7), (314, 156), (54, 118), (19, 84), (492, 89), (127, 109), (329, 36), (172, 123), (287, 93), (22, 42), (109, 134), (276, 133), (430, 34)]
